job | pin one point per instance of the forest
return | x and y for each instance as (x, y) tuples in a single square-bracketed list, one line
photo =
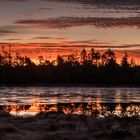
[(86, 68)]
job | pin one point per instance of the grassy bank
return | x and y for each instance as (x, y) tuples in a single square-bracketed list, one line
[(54, 126)]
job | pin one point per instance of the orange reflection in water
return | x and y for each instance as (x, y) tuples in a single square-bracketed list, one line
[(89, 109)]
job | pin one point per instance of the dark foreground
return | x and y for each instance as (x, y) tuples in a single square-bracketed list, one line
[(58, 126)]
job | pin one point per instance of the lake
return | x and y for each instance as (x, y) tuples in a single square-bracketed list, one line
[(54, 95)]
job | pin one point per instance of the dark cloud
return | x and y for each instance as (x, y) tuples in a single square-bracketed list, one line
[(6, 32), (65, 22), (88, 42), (42, 8), (132, 47), (113, 4), (104, 2), (50, 38), (13, 39), (100, 46), (13, 0)]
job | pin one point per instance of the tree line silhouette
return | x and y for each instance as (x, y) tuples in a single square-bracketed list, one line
[(92, 67)]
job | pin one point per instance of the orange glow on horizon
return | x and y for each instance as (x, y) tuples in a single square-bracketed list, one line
[(51, 51)]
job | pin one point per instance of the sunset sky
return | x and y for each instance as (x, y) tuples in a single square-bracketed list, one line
[(51, 27)]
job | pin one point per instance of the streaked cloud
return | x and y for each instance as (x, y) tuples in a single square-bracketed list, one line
[(50, 38), (100, 45), (105, 2), (90, 1), (6, 32), (51, 27), (66, 22), (14, 0)]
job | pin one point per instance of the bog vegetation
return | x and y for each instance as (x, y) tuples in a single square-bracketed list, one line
[(92, 67)]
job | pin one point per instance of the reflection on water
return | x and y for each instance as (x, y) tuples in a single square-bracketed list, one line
[(100, 110), (54, 95)]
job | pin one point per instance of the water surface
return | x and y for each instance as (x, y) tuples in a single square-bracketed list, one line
[(54, 95)]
